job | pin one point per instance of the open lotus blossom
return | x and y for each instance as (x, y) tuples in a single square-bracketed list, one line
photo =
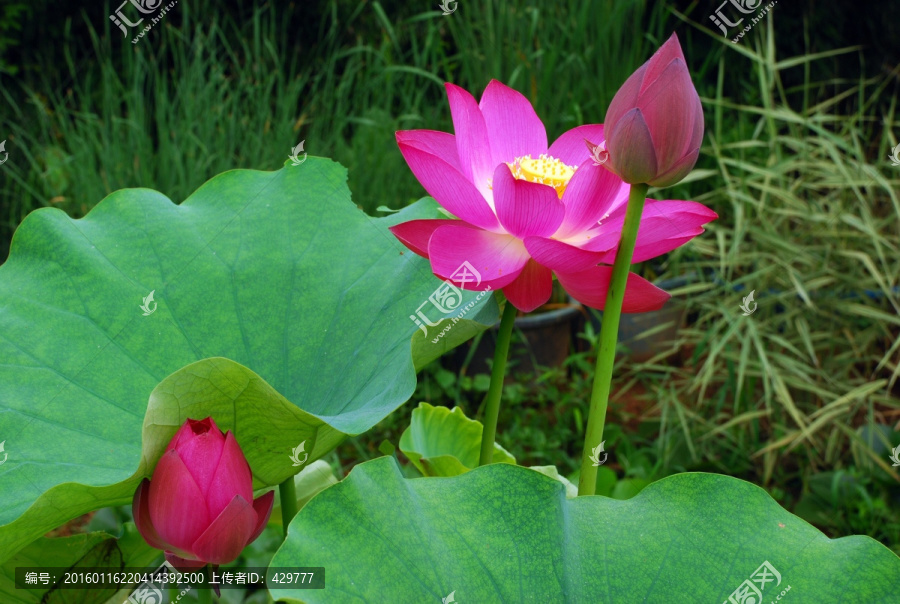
[(527, 210), (654, 124), (198, 507)]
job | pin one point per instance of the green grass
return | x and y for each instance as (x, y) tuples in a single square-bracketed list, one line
[(139, 124), (185, 104), (812, 223)]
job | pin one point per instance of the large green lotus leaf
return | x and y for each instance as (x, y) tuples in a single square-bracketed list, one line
[(277, 438), (277, 271), (503, 533), (426, 348), (444, 442)]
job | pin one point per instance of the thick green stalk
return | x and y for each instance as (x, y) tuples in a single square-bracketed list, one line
[(498, 372), (205, 594), (609, 332), (287, 491)]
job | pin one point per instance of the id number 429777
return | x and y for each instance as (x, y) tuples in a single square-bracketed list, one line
[(291, 578)]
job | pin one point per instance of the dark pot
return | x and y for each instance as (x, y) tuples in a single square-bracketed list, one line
[(538, 340)]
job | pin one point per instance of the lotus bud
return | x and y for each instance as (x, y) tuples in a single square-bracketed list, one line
[(198, 506), (654, 124)]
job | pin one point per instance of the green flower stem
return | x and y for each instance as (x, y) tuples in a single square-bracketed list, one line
[(498, 372), (609, 332), (287, 491), (205, 595)]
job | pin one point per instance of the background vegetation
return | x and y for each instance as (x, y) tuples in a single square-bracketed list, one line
[(802, 397)]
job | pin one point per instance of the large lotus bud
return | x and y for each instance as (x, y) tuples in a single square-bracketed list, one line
[(198, 506), (654, 124)]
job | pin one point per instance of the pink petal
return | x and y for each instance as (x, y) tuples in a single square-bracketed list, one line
[(591, 193), (513, 127), (570, 149), (184, 564), (228, 534), (697, 134), (601, 239), (471, 138), (560, 256), (450, 188), (415, 234), (624, 100), (531, 288), (262, 505), (140, 507), (678, 171), (191, 428), (437, 143), (498, 258), (177, 507), (664, 55), (526, 208), (665, 225), (200, 454), (631, 152), (668, 106), (590, 288), (231, 477)]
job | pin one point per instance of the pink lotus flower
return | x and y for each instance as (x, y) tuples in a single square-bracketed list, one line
[(199, 505), (655, 121), (527, 211)]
